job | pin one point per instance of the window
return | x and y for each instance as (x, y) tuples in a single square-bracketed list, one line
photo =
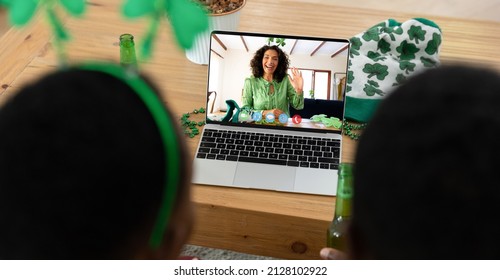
[(319, 82)]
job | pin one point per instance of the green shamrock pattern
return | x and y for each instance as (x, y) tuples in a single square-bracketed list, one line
[(384, 56)]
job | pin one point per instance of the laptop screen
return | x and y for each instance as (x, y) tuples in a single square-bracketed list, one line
[(277, 81)]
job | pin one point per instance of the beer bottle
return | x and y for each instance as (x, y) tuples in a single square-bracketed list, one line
[(127, 52), (336, 233)]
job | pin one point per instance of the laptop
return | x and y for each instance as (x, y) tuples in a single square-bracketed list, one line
[(243, 145)]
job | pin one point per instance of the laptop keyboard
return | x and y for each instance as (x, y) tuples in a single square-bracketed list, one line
[(307, 152)]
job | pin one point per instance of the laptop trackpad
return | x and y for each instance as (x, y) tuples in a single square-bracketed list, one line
[(264, 176), (316, 181)]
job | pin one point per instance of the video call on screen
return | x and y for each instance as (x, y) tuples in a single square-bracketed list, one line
[(322, 64)]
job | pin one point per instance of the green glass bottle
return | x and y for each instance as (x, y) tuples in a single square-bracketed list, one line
[(336, 232), (127, 51)]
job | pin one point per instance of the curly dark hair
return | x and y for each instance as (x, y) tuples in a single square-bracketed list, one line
[(283, 62)]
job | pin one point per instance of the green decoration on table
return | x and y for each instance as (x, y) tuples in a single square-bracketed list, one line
[(191, 127), (187, 18), (22, 11), (328, 122), (348, 129)]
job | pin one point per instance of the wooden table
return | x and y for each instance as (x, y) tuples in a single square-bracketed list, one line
[(281, 225)]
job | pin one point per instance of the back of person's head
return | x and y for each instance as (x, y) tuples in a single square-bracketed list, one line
[(82, 171), (427, 179)]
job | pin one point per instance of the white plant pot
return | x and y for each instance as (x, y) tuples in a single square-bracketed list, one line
[(200, 51)]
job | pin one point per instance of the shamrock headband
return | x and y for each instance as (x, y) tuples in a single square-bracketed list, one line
[(188, 19), (166, 129)]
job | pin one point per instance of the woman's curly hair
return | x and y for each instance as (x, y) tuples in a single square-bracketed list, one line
[(281, 69)]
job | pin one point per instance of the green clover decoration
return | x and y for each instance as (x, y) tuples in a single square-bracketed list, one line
[(328, 122), (278, 41), (22, 11), (187, 18)]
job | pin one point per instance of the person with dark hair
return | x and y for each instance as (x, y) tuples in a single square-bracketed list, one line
[(271, 89), (426, 171), (92, 168)]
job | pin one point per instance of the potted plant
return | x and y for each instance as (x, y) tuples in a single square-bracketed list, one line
[(311, 93), (223, 15)]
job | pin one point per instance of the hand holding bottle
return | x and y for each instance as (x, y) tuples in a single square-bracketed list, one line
[(337, 230), (328, 253)]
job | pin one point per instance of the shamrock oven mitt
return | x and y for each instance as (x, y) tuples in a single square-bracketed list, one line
[(383, 57)]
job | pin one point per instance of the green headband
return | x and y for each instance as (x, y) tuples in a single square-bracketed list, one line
[(166, 129)]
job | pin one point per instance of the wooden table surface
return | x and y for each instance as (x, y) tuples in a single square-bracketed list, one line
[(281, 225)]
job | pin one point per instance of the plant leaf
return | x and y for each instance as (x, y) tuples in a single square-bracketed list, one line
[(138, 8), (74, 7), (188, 20), (21, 11)]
